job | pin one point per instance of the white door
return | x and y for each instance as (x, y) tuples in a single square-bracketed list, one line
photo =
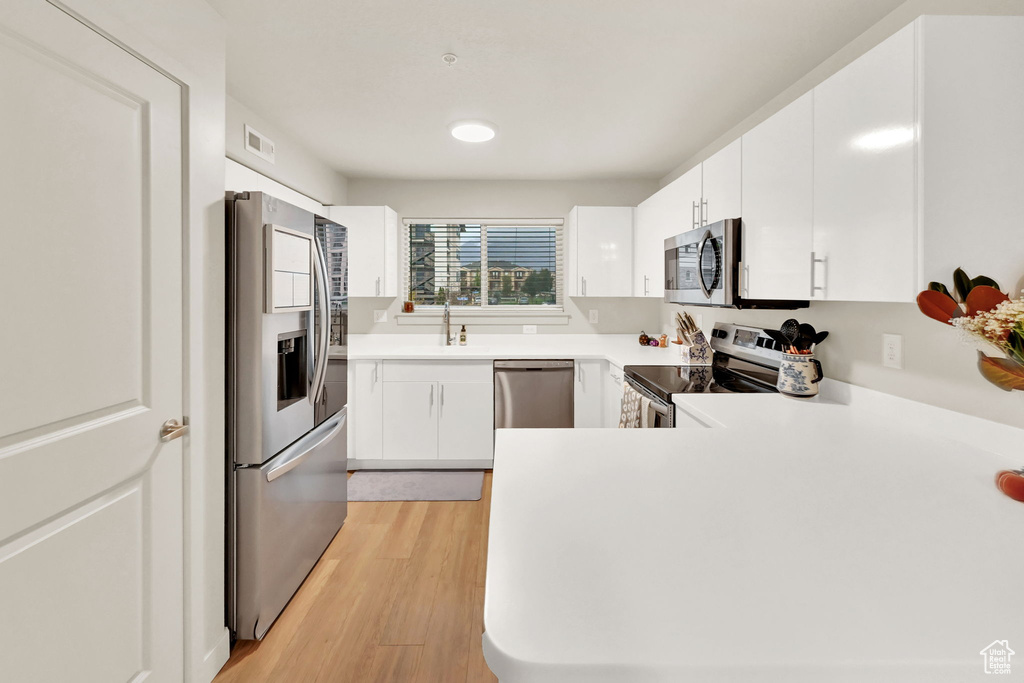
[(604, 250), (465, 421), (778, 210), (91, 359), (366, 410), (410, 420), (588, 409), (721, 184), (865, 156)]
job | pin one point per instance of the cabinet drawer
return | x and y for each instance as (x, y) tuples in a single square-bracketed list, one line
[(438, 371)]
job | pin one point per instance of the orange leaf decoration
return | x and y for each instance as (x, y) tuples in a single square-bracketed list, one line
[(938, 306), (1003, 372), (984, 298)]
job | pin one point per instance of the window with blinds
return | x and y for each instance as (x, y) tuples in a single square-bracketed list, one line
[(485, 264)]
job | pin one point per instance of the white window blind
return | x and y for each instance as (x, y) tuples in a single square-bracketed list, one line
[(487, 263)]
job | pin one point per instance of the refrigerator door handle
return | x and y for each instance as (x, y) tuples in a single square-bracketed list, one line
[(320, 367), (293, 456)]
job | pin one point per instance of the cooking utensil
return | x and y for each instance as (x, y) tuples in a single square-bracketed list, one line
[(820, 337), (777, 337), (790, 330), (805, 336)]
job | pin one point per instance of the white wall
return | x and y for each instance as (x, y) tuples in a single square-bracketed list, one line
[(504, 199), (294, 165), (185, 38)]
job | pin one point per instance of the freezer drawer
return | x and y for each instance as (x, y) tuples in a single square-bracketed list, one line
[(286, 513)]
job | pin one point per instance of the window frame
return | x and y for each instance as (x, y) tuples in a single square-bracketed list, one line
[(486, 309)]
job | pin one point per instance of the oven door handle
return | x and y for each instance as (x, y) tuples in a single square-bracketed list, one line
[(700, 260)]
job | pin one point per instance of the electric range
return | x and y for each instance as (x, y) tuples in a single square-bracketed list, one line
[(746, 361)]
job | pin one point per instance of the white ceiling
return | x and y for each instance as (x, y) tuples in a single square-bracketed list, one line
[(578, 88)]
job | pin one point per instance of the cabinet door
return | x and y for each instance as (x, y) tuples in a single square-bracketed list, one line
[(777, 207), (410, 420), (864, 177), (367, 240), (392, 268), (604, 250), (668, 212), (366, 410), (721, 191), (587, 405), (573, 285), (465, 421), (612, 399)]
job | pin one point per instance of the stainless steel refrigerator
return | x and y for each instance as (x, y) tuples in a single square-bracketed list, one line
[(286, 422)]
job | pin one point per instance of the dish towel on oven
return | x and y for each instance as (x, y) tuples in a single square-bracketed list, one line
[(632, 407)]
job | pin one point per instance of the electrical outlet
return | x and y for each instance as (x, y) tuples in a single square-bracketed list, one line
[(380, 316), (593, 316), (892, 351), (529, 329)]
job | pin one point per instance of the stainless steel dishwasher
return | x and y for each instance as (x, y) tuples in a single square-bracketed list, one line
[(533, 393)]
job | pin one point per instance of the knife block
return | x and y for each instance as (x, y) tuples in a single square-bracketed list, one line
[(698, 353)]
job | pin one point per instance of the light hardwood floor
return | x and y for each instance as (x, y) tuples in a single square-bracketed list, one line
[(396, 598)]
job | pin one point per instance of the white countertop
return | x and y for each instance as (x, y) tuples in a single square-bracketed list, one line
[(809, 541), (620, 349)]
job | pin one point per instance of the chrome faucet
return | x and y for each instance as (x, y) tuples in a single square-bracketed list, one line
[(448, 339)]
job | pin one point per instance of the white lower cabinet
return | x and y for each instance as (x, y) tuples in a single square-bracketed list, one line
[(587, 394), (430, 412), (365, 410), (612, 400), (465, 421), (410, 421)]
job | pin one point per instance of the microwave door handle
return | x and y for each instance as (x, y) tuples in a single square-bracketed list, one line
[(700, 258)]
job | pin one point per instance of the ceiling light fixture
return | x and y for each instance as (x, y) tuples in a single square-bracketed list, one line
[(473, 131)]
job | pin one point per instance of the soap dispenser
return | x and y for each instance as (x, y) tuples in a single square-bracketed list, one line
[(462, 336)]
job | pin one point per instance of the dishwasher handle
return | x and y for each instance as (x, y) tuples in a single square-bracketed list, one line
[(533, 364)]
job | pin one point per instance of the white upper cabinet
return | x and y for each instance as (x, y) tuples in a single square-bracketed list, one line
[(373, 249), (599, 254), (972, 138), (239, 178), (721, 190), (670, 211), (865, 162), (777, 207)]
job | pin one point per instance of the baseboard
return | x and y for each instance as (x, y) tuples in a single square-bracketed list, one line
[(215, 659), (381, 464)]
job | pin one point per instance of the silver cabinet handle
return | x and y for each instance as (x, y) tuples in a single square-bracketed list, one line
[(442, 400), (431, 395), (378, 286), (583, 286), (824, 264), (646, 288), (693, 215), (703, 213), (172, 429), (376, 371)]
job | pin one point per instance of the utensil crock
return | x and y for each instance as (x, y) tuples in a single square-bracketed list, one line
[(799, 375)]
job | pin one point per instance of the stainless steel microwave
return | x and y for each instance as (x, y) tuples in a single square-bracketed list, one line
[(703, 268)]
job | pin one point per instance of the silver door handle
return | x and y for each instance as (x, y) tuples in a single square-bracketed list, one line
[(431, 395), (378, 286), (320, 360), (703, 213), (293, 456), (441, 407), (583, 291), (172, 429), (693, 215), (700, 259), (646, 288)]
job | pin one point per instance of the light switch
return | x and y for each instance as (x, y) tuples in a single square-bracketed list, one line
[(529, 329), (892, 351), (380, 316), (593, 316)]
